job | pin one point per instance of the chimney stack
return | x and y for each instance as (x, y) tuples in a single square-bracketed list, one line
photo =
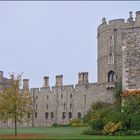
[(59, 80), (26, 85), (83, 78), (46, 81)]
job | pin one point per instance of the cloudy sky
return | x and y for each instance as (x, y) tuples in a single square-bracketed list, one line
[(51, 38)]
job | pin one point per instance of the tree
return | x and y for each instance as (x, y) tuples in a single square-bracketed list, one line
[(15, 103), (131, 111)]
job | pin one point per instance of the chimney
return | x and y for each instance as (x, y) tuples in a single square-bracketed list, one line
[(130, 19), (59, 80), (26, 85), (104, 20), (46, 81), (1, 76), (83, 78), (80, 80)]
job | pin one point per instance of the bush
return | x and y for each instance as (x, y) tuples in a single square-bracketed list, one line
[(135, 122), (97, 124), (88, 131), (128, 133), (110, 128), (60, 125), (77, 123)]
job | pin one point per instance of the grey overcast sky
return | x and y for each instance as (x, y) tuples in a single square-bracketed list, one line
[(51, 38)]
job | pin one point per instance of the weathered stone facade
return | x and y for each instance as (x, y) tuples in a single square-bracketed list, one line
[(118, 58)]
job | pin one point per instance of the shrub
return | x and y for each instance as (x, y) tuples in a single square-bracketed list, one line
[(97, 124), (128, 133), (135, 122), (110, 128), (88, 131), (77, 123), (60, 125)]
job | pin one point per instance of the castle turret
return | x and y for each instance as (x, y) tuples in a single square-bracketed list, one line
[(138, 18), (46, 81), (83, 78), (1, 76), (59, 80), (26, 85)]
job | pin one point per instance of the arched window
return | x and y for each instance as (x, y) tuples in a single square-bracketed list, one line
[(63, 115), (112, 41), (79, 115), (64, 106), (111, 58), (70, 106), (47, 106), (47, 96), (52, 115), (35, 114), (111, 76), (46, 115), (70, 115), (61, 96)]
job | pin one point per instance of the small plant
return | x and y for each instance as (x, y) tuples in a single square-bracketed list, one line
[(110, 128), (88, 131), (77, 123), (97, 124)]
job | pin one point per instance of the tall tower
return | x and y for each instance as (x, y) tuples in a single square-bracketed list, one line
[(111, 37)]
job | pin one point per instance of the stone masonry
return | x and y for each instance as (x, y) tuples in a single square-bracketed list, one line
[(118, 58)]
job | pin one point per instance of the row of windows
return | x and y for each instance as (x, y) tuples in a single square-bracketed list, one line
[(48, 96), (47, 106), (63, 115)]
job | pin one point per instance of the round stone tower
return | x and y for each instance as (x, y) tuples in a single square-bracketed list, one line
[(110, 41)]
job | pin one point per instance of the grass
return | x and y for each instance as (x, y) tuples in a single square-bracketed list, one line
[(64, 133)]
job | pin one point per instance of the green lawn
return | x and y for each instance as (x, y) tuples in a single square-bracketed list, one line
[(64, 133)]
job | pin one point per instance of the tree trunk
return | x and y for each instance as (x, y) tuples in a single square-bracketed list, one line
[(15, 125)]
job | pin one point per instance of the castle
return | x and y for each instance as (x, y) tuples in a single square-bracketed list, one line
[(118, 58)]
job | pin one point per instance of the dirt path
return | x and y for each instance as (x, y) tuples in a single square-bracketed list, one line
[(23, 136)]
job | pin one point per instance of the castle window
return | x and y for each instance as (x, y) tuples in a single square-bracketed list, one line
[(46, 115), (36, 97), (28, 115), (36, 106), (61, 96), (112, 41), (63, 115), (70, 106), (35, 114), (52, 116), (47, 106), (47, 96), (64, 106), (79, 115), (70, 95), (111, 76), (111, 58), (70, 115)]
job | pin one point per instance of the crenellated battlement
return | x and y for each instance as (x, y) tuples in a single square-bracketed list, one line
[(120, 23), (82, 81)]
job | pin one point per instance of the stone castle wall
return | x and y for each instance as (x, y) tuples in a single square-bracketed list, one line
[(118, 58)]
